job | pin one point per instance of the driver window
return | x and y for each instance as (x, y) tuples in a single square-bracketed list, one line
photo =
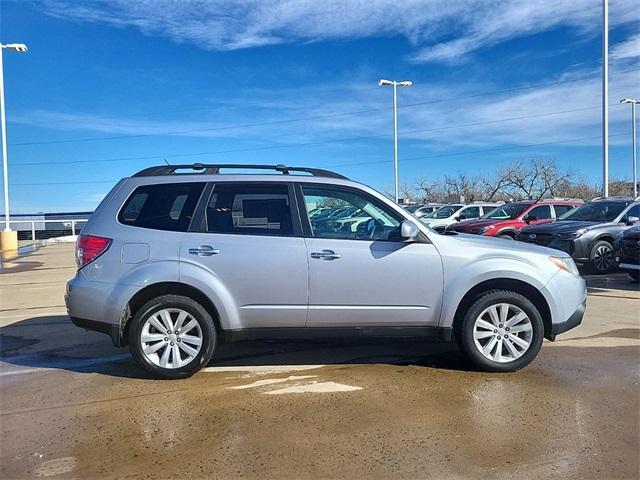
[(346, 214)]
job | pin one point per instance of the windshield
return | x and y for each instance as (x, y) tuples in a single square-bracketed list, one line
[(508, 211), (412, 208), (445, 212), (596, 212)]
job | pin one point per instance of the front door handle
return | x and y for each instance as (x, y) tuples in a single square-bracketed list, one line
[(204, 251), (326, 255)]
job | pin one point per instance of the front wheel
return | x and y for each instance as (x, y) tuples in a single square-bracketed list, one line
[(172, 336), (501, 332), (600, 257)]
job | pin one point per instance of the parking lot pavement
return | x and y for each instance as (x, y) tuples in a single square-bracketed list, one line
[(73, 406)]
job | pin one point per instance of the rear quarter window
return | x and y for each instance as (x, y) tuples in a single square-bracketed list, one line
[(166, 206)]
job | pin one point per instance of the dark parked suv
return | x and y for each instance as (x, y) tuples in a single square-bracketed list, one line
[(627, 251), (588, 232)]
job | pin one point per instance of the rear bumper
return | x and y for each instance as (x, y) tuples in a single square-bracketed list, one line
[(572, 322), (98, 306), (629, 266)]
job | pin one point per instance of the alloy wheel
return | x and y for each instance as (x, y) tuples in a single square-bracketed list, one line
[(171, 338), (603, 258), (503, 332)]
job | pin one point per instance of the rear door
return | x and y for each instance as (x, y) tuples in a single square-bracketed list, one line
[(251, 241), (360, 272)]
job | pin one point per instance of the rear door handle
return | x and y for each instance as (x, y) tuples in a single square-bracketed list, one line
[(204, 251), (326, 255)]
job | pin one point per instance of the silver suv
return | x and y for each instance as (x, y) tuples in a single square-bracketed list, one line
[(179, 258)]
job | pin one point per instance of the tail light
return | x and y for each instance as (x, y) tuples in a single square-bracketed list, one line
[(88, 248)]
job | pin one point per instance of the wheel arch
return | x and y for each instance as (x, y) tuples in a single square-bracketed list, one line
[(607, 237), (512, 232), (164, 288), (518, 286)]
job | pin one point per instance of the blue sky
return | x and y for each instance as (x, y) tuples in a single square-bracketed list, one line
[(295, 82)]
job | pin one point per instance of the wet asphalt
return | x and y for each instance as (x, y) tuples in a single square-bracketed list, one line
[(73, 406)]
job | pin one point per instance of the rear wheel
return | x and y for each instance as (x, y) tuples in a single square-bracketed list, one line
[(600, 257), (635, 274), (501, 332), (172, 336)]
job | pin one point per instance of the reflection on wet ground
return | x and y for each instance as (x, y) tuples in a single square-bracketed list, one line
[(387, 409)]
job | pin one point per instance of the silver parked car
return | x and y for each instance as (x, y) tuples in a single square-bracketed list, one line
[(177, 259)]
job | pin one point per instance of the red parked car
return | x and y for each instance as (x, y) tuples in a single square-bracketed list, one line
[(507, 219)]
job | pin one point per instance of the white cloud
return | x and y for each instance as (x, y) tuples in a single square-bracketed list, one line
[(227, 25), (434, 124), (626, 50)]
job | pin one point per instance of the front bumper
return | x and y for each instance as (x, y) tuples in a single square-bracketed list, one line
[(567, 298), (629, 266), (578, 248), (572, 322)]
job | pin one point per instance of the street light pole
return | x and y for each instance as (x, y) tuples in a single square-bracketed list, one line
[(633, 103), (605, 97), (7, 240), (395, 86)]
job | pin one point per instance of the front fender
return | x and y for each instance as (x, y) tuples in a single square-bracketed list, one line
[(460, 279)]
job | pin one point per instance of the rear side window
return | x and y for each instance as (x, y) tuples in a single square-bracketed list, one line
[(250, 209), (540, 212), (471, 212), (562, 209), (166, 206)]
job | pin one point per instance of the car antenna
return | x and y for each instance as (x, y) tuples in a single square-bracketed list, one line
[(165, 161)]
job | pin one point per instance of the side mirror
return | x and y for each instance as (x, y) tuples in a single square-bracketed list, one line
[(409, 230), (529, 218), (632, 220)]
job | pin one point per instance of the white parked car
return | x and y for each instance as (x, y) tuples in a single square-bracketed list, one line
[(456, 212)]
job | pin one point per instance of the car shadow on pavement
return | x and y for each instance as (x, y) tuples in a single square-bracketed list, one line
[(619, 281), (53, 342)]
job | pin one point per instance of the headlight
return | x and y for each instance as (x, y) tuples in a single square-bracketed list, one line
[(572, 235), (565, 263)]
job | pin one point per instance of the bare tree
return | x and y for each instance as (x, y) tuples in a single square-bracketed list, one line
[(429, 190), (463, 187), (534, 179), (494, 186)]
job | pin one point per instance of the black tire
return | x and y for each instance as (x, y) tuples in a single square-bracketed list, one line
[(600, 258), (197, 311), (466, 342), (507, 236), (635, 274)]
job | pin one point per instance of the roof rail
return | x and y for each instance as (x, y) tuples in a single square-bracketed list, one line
[(559, 199), (214, 169), (617, 197)]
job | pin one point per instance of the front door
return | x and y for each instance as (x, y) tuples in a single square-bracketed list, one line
[(360, 272), (254, 252)]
